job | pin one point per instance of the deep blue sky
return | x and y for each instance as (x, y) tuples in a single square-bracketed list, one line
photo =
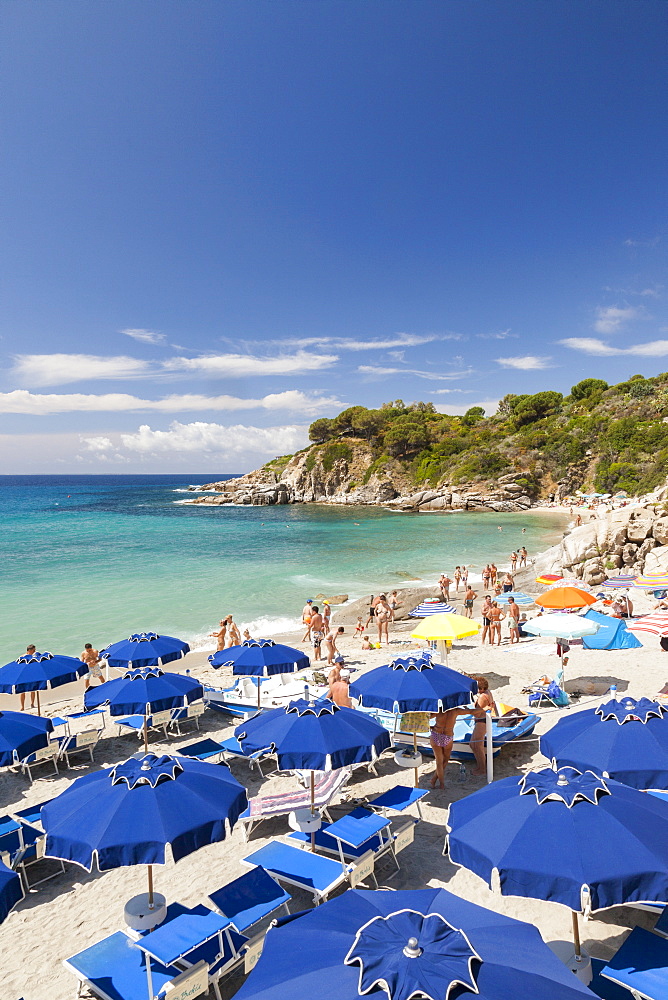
[(297, 206)]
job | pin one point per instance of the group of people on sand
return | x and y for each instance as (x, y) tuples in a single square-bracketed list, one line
[(441, 734), (319, 630), (228, 634)]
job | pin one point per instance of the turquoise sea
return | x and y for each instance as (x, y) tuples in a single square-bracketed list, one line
[(94, 558)]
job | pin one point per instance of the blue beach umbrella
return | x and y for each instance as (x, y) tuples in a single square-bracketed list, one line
[(432, 608), (260, 658), (522, 599), (144, 691), (128, 814), (39, 672), (401, 945), (144, 649), (414, 684), (626, 740), (22, 734), (11, 891), (565, 836)]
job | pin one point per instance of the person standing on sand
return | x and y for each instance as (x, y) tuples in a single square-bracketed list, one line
[(486, 624), (330, 643), (458, 576), (513, 561), (441, 739), (373, 601), (469, 598), (306, 619), (523, 557), (445, 583), (30, 651), (220, 635), (483, 701), (486, 576), (496, 616), (383, 615), (465, 577), (326, 614), (513, 614), (316, 631), (508, 583), (494, 572), (394, 603), (91, 658)]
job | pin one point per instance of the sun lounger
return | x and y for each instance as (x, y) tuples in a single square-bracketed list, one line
[(22, 844), (190, 713), (116, 969), (135, 723), (360, 834), (234, 751), (302, 869), (46, 755), (641, 965), (250, 898), (206, 749), (266, 806), (605, 988), (398, 800)]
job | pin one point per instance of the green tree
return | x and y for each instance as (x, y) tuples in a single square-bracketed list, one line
[(529, 409), (587, 386), (321, 430), (473, 415)]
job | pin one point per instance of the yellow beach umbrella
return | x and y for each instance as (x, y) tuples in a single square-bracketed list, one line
[(443, 628)]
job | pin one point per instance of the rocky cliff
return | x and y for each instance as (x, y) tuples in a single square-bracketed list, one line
[(347, 474)]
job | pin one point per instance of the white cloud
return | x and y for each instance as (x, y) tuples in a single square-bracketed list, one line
[(652, 242), (59, 369), (598, 348), (378, 371), (23, 401), (501, 335), (386, 343), (489, 406), (612, 319), (145, 336), (97, 444), (528, 362), (243, 365), (215, 439)]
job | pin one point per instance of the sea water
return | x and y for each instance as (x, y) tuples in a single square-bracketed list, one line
[(95, 558)]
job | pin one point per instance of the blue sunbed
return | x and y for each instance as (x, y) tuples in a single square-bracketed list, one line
[(249, 898), (641, 965), (398, 799), (116, 969), (317, 875), (205, 749)]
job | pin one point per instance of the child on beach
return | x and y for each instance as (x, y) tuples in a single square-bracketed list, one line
[(359, 628), (366, 644)]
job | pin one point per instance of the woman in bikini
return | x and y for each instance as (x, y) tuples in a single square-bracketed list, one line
[(484, 700), (441, 739), (496, 616)]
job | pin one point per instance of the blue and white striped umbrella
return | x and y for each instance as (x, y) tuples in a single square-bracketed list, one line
[(432, 608), (519, 598)]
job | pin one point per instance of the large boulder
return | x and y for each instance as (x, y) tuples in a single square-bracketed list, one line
[(639, 526), (657, 560), (660, 531)]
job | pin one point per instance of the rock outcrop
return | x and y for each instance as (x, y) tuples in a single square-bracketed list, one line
[(629, 540), (349, 478)]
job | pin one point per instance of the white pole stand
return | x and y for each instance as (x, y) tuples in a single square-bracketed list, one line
[(489, 749)]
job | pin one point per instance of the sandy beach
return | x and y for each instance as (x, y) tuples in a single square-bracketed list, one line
[(76, 909)]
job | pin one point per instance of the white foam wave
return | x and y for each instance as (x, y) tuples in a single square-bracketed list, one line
[(263, 627)]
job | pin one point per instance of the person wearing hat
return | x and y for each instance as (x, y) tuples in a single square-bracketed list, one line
[(338, 690), (306, 619), (326, 614)]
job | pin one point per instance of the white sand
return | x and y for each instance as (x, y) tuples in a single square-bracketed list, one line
[(74, 910)]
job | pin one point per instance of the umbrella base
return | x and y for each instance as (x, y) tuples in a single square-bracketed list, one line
[(408, 758), (304, 820), (140, 917), (565, 951)]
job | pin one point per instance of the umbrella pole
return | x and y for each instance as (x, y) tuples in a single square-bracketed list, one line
[(39, 709), (576, 936), (150, 886), (313, 810), (259, 688), (415, 750), (146, 747)]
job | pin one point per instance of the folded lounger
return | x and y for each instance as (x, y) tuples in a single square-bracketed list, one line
[(266, 806), (205, 749), (249, 898)]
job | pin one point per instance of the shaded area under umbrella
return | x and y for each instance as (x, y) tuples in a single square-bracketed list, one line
[(427, 943), (11, 891), (260, 658)]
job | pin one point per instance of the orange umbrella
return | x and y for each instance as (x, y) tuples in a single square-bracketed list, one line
[(565, 597), (548, 578)]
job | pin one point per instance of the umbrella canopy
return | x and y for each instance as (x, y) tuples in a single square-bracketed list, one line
[(522, 599), (315, 736), (260, 657), (626, 740), (561, 626), (565, 836), (619, 582), (578, 584), (445, 627), (22, 734), (11, 891), (144, 691), (128, 814), (651, 581), (565, 597), (399, 945), (432, 608), (548, 578), (655, 625), (414, 684), (144, 649), (39, 672)]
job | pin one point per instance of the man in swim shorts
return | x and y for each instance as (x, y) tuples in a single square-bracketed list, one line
[(316, 628), (91, 658), (469, 598), (30, 651), (306, 619)]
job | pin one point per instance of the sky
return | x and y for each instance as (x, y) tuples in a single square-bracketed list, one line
[(222, 219)]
